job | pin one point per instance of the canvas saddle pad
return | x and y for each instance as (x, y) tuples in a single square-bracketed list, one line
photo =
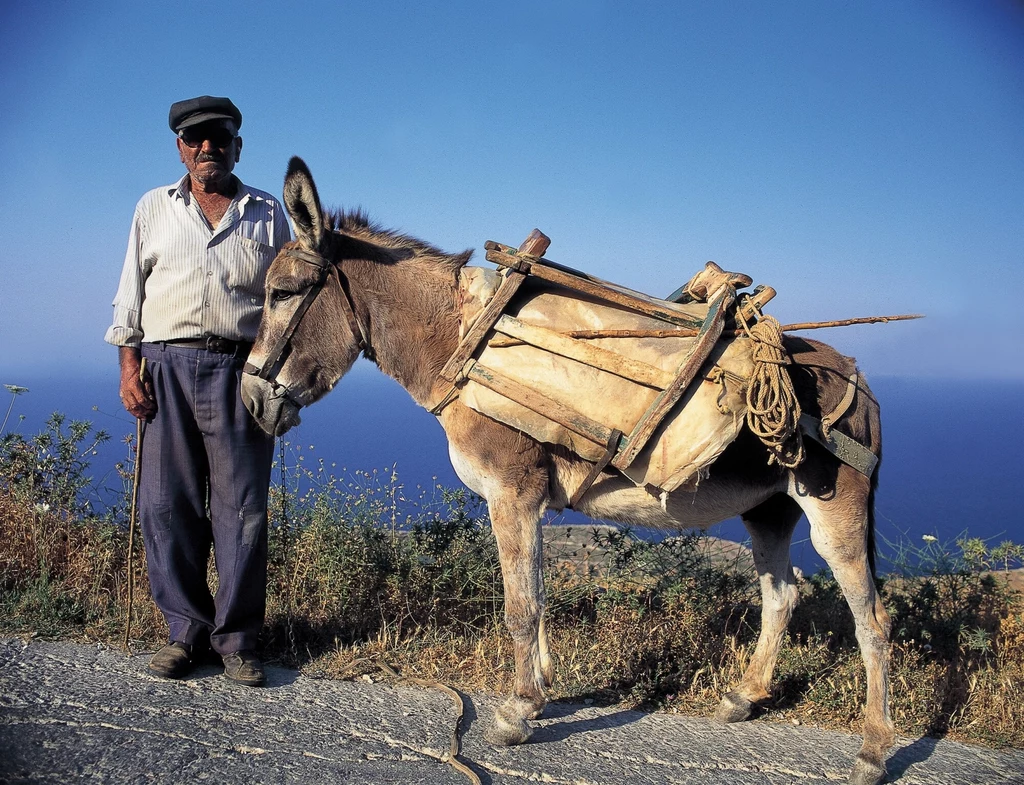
[(689, 439)]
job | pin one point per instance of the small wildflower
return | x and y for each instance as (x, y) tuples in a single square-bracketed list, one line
[(929, 538)]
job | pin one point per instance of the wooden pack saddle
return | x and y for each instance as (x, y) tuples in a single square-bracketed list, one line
[(644, 385)]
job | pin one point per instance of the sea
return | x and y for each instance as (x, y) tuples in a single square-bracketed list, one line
[(953, 450)]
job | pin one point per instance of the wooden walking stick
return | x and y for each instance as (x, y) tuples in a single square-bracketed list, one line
[(140, 431)]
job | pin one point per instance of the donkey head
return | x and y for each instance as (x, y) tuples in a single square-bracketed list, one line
[(308, 335)]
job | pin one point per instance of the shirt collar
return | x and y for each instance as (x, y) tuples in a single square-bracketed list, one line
[(179, 190), (243, 193)]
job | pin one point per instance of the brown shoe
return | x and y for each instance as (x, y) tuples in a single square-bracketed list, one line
[(173, 661), (245, 668)]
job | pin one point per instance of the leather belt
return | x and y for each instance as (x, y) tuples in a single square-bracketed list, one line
[(213, 343)]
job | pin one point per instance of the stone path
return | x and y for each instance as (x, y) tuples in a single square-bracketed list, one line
[(77, 713)]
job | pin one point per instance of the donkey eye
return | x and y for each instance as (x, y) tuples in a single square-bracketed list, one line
[(280, 295)]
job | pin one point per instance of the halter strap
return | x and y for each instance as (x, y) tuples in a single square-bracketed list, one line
[(315, 259), (306, 256), (271, 365)]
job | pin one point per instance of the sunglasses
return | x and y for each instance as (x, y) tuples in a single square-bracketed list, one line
[(218, 136)]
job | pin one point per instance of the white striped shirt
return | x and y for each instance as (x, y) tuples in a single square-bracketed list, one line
[(183, 280)]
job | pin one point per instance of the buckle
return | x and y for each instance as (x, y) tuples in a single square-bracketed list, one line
[(214, 343)]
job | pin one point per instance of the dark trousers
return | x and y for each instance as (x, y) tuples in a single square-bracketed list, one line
[(205, 479)]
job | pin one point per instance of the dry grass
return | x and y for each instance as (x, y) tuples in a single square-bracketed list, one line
[(673, 661), (67, 578), (355, 581)]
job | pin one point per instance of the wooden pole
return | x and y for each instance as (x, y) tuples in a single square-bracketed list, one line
[(847, 322), (140, 432), (588, 354), (588, 284), (596, 436), (709, 334), (686, 332), (534, 245)]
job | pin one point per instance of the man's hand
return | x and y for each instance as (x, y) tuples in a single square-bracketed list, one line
[(136, 394)]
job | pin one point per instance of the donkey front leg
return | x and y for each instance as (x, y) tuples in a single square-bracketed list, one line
[(515, 518), (511, 472)]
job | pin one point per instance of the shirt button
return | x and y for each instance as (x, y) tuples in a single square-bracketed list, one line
[(209, 272), (207, 304)]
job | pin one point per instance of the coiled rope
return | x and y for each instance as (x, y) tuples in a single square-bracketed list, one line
[(773, 412)]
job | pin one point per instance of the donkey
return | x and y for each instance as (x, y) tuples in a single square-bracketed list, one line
[(346, 286)]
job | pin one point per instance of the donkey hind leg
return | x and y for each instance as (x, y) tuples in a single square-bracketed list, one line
[(770, 525), (839, 532), (515, 519)]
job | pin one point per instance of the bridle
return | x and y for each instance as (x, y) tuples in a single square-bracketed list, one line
[(275, 359)]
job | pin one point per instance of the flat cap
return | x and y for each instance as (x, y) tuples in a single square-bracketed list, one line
[(199, 110)]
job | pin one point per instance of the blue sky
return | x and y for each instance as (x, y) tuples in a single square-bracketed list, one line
[(862, 158)]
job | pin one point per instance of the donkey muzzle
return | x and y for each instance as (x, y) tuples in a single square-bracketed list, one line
[(269, 405)]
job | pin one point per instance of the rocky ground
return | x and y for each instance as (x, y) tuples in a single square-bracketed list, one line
[(77, 713)]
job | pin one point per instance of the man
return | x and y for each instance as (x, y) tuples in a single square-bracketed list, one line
[(189, 303)]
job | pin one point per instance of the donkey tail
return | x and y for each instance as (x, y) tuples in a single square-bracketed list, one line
[(871, 545)]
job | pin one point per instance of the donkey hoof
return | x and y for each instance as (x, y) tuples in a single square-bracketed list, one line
[(734, 708), (866, 772), (507, 731)]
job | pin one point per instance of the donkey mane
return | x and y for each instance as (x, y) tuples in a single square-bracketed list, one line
[(355, 224), (410, 290)]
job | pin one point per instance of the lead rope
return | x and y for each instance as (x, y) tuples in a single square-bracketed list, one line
[(287, 552), (452, 757), (773, 412)]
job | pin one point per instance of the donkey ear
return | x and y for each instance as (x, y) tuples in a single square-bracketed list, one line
[(303, 204)]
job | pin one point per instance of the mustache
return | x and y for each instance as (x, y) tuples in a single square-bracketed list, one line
[(203, 157)]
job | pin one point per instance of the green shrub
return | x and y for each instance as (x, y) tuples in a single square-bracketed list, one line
[(946, 597), (354, 560)]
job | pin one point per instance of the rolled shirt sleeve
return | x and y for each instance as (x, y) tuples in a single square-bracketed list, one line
[(126, 329)]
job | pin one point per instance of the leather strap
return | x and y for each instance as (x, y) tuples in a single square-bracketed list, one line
[(830, 419), (849, 451), (212, 343), (271, 365)]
